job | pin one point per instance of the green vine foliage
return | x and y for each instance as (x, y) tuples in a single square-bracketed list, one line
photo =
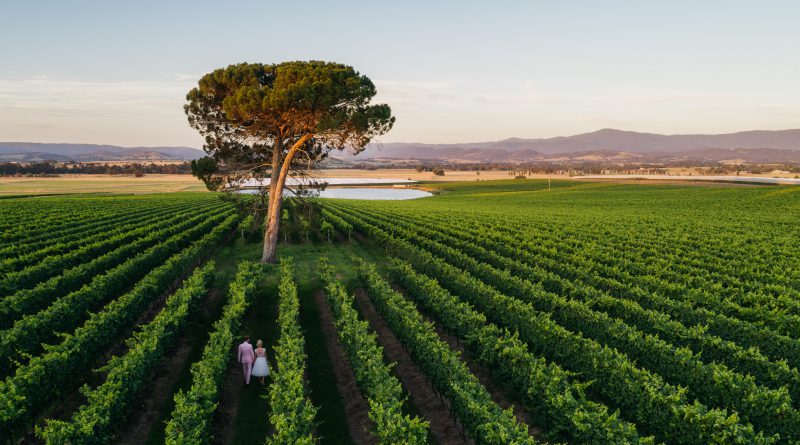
[(382, 390), (572, 305), (190, 422), (655, 406), (63, 366), (98, 421), (292, 413), (485, 421)]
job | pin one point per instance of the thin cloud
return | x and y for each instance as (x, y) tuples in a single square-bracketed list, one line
[(416, 91), (47, 94), (184, 77), (456, 92), (45, 109)]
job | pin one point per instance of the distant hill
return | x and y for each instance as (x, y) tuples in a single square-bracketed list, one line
[(603, 146), (607, 145), (30, 151), (33, 156)]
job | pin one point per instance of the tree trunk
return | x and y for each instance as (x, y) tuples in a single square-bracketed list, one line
[(276, 197), (273, 220)]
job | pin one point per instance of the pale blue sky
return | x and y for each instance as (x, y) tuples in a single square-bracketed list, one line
[(117, 72)]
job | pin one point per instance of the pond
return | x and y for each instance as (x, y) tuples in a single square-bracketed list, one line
[(378, 193), (291, 181), (382, 193)]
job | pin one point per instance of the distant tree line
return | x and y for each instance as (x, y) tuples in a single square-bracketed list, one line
[(583, 168), (60, 168), (437, 168)]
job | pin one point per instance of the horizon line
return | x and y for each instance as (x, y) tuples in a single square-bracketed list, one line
[(431, 143)]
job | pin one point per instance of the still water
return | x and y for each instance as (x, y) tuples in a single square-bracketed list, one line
[(379, 193), (372, 193), (292, 181)]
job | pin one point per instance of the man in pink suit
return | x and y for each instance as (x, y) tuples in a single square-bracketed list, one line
[(246, 358)]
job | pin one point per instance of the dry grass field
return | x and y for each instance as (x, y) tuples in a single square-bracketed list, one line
[(400, 173), (68, 184)]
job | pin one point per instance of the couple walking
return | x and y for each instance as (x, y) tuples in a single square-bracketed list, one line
[(254, 362)]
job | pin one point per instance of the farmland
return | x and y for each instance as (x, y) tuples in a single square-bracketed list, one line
[(496, 312), (84, 183)]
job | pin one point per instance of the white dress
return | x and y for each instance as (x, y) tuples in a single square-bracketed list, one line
[(260, 368)]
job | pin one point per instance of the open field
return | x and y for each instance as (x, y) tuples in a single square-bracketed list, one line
[(683, 171), (68, 184), (155, 183), (601, 312), (450, 175)]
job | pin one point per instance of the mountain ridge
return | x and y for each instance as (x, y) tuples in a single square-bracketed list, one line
[(621, 140), (38, 151), (604, 145)]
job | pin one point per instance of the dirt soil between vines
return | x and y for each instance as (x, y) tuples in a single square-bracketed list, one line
[(148, 409), (426, 399), (356, 406)]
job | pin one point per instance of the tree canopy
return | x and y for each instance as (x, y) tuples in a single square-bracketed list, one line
[(244, 110), (265, 120)]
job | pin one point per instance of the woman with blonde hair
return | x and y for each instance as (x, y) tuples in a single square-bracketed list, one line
[(260, 368)]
